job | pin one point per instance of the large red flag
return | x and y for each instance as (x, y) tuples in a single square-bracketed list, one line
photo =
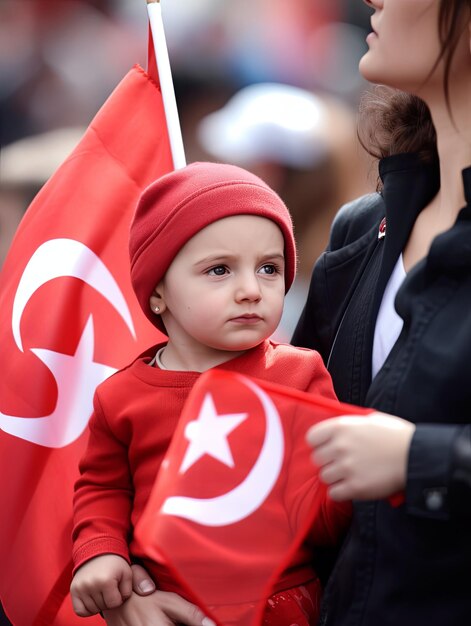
[(68, 318), (237, 493)]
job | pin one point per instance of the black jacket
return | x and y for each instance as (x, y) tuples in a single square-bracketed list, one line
[(411, 565)]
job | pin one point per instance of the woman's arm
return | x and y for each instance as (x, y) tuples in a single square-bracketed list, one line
[(439, 471), (376, 456), (362, 457)]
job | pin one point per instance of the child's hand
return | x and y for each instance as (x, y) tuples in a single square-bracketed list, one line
[(104, 582), (363, 458)]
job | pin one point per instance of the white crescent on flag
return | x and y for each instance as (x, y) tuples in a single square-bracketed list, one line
[(77, 375), (58, 258), (249, 495)]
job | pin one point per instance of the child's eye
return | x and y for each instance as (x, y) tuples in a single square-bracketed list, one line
[(268, 268), (219, 270)]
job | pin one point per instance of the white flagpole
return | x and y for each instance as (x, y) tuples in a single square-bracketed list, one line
[(166, 83)]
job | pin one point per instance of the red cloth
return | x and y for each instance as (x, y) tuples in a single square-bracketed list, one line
[(68, 262), (232, 526), (136, 413), (299, 605)]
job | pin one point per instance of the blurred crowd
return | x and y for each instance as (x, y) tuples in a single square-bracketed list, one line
[(60, 59)]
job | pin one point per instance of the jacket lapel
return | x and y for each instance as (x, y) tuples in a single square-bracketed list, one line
[(408, 186)]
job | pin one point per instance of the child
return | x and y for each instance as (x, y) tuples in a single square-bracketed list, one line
[(212, 255)]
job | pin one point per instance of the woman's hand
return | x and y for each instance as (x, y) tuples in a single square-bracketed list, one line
[(148, 607), (160, 608), (362, 458), (142, 583)]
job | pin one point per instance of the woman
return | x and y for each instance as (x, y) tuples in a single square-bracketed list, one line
[(389, 309), (407, 250)]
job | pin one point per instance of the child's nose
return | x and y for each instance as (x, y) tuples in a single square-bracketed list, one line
[(248, 288)]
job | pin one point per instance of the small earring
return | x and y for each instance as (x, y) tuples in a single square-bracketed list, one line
[(156, 309)]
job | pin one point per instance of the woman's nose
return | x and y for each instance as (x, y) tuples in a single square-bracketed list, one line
[(374, 4)]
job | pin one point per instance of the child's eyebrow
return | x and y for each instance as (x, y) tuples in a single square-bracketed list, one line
[(275, 255), (226, 256), (272, 256), (215, 258)]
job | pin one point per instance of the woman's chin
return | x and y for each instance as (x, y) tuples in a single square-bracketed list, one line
[(367, 69)]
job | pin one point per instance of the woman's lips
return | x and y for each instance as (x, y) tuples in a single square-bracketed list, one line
[(371, 37)]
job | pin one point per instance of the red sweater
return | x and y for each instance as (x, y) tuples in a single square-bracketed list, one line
[(135, 414)]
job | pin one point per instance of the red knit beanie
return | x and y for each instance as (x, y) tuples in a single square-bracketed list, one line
[(180, 204)]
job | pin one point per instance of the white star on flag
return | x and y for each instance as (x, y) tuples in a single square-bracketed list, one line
[(76, 377), (208, 435)]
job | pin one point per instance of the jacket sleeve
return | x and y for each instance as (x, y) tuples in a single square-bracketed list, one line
[(308, 331), (103, 495), (439, 472)]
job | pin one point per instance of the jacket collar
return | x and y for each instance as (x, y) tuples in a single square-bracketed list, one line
[(451, 250), (467, 185), (409, 184)]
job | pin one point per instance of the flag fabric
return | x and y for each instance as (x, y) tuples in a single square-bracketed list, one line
[(68, 319), (237, 493)]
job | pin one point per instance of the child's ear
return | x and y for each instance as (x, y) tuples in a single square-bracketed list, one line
[(156, 301)]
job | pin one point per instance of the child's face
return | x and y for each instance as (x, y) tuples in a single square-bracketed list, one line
[(225, 288)]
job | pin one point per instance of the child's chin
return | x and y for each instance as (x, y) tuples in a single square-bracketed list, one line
[(246, 345)]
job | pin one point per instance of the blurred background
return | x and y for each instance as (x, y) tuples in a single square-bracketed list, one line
[(60, 59), (271, 85)]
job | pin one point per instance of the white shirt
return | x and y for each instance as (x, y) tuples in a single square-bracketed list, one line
[(388, 323)]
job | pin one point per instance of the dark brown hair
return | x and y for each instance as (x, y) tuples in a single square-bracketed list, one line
[(392, 121)]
